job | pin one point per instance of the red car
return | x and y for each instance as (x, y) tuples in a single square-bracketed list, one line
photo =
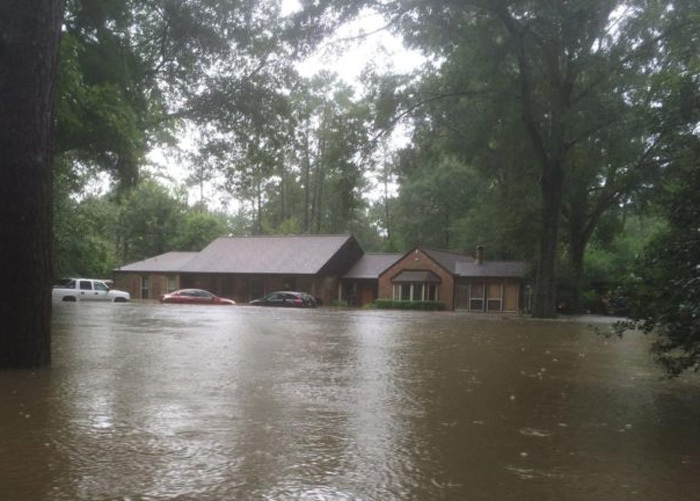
[(194, 296)]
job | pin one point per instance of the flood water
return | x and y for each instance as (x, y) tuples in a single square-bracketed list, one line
[(162, 402)]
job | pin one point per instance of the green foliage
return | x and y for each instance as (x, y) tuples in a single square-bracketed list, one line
[(96, 233), (149, 221), (102, 107), (664, 285), (84, 234), (553, 100), (607, 261), (198, 229), (390, 304), (432, 197)]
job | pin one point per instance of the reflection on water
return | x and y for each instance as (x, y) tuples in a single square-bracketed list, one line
[(150, 402)]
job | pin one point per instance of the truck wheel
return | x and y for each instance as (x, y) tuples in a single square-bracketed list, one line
[(69, 299), (119, 300)]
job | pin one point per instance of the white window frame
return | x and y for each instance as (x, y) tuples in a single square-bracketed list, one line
[(397, 289)]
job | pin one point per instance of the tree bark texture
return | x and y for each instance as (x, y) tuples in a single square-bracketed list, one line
[(545, 300), (29, 39), (552, 180)]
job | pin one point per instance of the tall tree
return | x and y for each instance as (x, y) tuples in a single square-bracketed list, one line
[(550, 64), (149, 220), (29, 42)]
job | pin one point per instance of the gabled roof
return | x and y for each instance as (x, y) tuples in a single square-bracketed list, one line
[(371, 265), (499, 269), (168, 262), (303, 255), (447, 260)]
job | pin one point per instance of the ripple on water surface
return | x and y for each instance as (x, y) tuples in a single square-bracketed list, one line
[(153, 402)]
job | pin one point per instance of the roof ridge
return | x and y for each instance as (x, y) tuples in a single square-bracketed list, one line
[(324, 235), (445, 252), (385, 253)]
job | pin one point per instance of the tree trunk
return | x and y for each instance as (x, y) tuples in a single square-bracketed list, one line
[(306, 165), (29, 37), (258, 208), (387, 220), (578, 247), (578, 239), (545, 300)]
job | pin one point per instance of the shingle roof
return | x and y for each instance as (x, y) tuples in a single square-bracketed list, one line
[(448, 260), (417, 276), (168, 262), (371, 265), (500, 269), (267, 254)]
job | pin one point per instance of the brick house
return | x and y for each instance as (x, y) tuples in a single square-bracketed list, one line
[(460, 281), (329, 267), (246, 268)]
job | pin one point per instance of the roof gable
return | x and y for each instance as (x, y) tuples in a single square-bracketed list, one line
[(448, 260), (371, 265)]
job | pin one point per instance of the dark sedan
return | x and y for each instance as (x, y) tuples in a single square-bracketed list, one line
[(194, 296), (286, 298)]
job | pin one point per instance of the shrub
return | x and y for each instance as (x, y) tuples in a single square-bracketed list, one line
[(390, 304)]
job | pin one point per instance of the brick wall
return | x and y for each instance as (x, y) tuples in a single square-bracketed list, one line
[(131, 283)]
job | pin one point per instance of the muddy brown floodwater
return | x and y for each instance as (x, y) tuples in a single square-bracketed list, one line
[(162, 402)]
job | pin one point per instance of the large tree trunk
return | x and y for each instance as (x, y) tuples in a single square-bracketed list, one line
[(579, 233), (578, 247), (545, 300), (29, 37)]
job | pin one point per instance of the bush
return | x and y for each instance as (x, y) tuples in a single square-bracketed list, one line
[(390, 304)]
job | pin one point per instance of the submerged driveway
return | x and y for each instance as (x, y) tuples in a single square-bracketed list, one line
[(151, 401)]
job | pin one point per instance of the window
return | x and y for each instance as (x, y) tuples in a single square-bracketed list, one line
[(416, 285), (85, 285), (144, 287), (476, 296), (415, 292), (495, 292), (99, 286), (172, 283)]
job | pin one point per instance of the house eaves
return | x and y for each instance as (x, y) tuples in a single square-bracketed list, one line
[(170, 262)]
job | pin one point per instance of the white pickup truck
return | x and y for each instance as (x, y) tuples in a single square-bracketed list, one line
[(87, 289)]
